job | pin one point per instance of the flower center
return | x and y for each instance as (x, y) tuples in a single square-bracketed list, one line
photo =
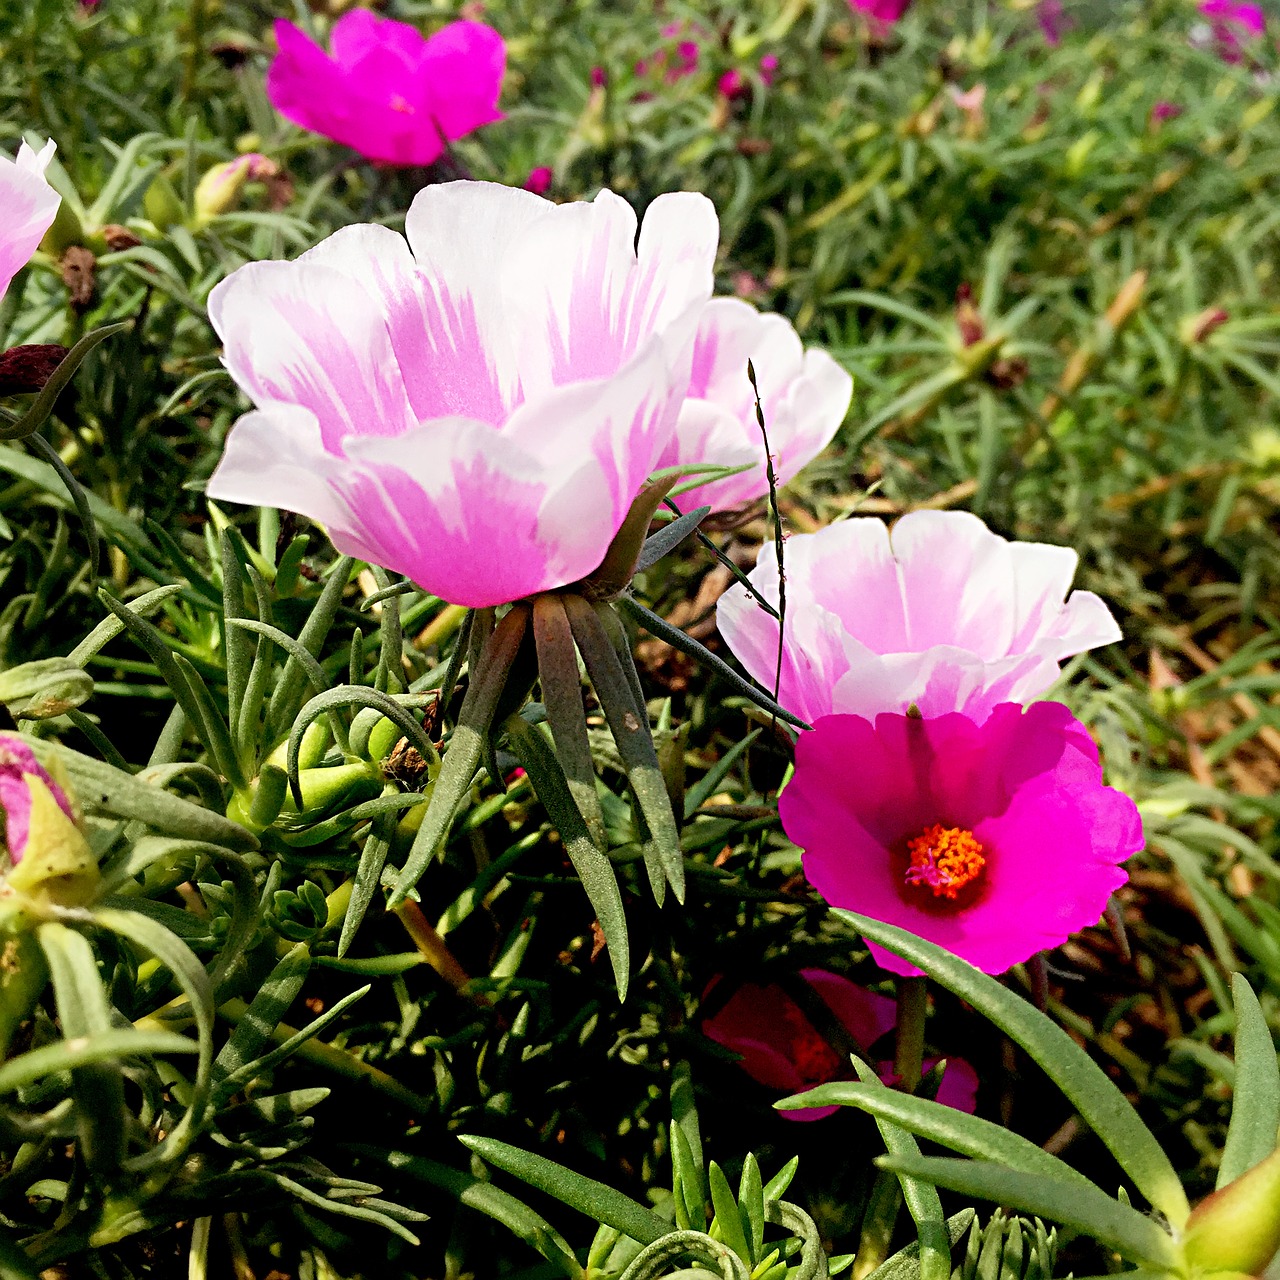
[(401, 104), (944, 859)]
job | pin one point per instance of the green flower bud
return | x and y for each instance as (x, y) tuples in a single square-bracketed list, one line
[(1238, 1227)]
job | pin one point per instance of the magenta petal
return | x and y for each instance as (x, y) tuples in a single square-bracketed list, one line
[(1027, 785), (18, 765), (388, 91)]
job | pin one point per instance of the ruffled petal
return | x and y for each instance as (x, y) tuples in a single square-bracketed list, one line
[(463, 67), (306, 332)]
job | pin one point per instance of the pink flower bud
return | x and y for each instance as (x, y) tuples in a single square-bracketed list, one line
[(539, 180)]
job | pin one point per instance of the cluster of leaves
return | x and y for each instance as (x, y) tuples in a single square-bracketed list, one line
[(1060, 313)]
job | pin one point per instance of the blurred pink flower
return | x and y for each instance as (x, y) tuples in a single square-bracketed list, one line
[(782, 1049), (28, 206), (1231, 22), (941, 613), (598, 78), (768, 67), (733, 84), (20, 775), (1163, 111), (1053, 24), (386, 90), (804, 395), (995, 840), (539, 180), (881, 10), (476, 408)]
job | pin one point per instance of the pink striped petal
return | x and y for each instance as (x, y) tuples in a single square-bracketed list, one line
[(28, 205)]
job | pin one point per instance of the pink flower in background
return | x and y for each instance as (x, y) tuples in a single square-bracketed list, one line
[(804, 395), (733, 84), (782, 1049), (995, 840), (1053, 23), (881, 10), (386, 90), (24, 783), (28, 206), (1232, 23), (1163, 111), (476, 408), (941, 613), (768, 67), (539, 180)]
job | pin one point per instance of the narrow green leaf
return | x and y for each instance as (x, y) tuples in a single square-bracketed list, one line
[(668, 538), (466, 746), (85, 1011), (1134, 1236), (1255, 1111), (905, 1264), (681, 640), (1101, 1104), (562, 696), (288, 694), (255, 1028), (969, 1135), (195, 984), (598, 1201), (368, 878), (593, 867), (629, 724), (485, 1198), (922, 1200), (42, 406), (687, 1183), (751, 1205), (102, 788), (727, 1217), (68, 1055), (777, 1186)]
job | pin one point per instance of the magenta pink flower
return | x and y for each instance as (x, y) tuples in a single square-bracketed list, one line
[(1052, 21), (476, 408), (1163, 111), (28, 206), (943, 613), (768, 67), (782, 1049), (539, 180), (995, 840), (733, 84), (1232, 23), (881, 10), (804, 395), (19, 773), (384, 89)]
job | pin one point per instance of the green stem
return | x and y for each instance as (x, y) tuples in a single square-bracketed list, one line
[(913, 1004)]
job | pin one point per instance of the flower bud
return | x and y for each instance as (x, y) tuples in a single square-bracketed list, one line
[(48, 856), (1238, 1227), (220, 189)]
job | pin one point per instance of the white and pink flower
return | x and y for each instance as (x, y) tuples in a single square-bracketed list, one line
[(28, 206), (941, 613), (475, 407)]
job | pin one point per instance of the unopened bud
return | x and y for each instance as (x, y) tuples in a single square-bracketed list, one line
[(1238, 1227), (220, 189), (49, 859), (968, 318), (1197, 328)]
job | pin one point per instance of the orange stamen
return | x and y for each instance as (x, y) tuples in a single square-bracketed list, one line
[(944, 859)]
